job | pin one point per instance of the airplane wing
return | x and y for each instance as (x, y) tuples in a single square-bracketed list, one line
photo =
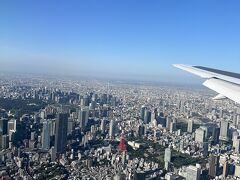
[(227, 84)]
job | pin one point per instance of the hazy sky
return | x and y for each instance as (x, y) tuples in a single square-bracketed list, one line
[(137, 39)]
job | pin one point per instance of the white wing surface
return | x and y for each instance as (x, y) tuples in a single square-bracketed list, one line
[(227, 84)]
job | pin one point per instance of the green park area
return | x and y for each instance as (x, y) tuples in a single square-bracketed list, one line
[(48, 171), (21, 106), (154, 152)]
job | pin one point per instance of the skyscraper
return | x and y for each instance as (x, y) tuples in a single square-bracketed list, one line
[(224, 130), (83, 116), (200, 135), (12, 125), (46, 135), (53, 127), (221, 113), (155, 113), (3, 126), (225, 168), (206, 129), (205, 149), (112, 128), (167, 158), (92, 105), (142, 112), (140, 130), (190, 126), (193, 173), (172, 127), (147, 117), (237, 170), (215, 135), (85, 101), (103, 125), (181, 106), (168, 122), (4, 141), (181, 145), (213, 165), (61, 133), (70, 126), (236, 144)]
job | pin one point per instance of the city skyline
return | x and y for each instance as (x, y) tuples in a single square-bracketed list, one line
[(97, 90), (128, 40), (68, 129)]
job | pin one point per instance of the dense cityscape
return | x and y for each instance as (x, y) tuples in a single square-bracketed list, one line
[(119, 90), (54, 128)]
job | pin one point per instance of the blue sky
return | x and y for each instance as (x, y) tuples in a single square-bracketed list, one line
[(136, 39)]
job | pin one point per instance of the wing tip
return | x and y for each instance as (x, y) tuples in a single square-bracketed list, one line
[(183, 65)]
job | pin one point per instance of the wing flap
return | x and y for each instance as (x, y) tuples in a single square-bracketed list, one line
[(219, 97)]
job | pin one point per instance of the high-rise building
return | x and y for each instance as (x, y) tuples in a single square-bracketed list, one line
[(172, 127), (11, 134), (167, 158), (153, 116), (224, 130), (155, 113), (168, 122), (235, 120), (142, 112), (4, 141), (221, 113), (103, 99), (193, 173), (140, 130), (181, 106), (94, 97), (92, 105), (3, 126), (215, 135), (53, 127), (237, 170), (83, 117), (190, 126), (205, 149), (225, 169), (206, 129), (12, 125), (112, 128), (200, 135), (213, 165), (85, 101), (238, 121), (147, 117), (236, 142), (103, 125), (70, 126), (162, 120), (61, 133), (46, 134), (181, 145)]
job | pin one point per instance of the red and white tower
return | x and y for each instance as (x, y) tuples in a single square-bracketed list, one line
[(122, 146)]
